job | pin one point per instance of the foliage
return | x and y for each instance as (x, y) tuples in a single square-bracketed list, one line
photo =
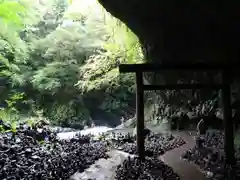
[(10, 22), (63, 57), (10, 115), (12, 15), (8, 13), (66, 114), (54, 77), (37, 120)]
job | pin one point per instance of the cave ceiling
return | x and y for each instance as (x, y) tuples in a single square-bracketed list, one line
[(174, 30)]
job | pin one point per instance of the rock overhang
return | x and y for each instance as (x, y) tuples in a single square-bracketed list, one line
[(175, 30)]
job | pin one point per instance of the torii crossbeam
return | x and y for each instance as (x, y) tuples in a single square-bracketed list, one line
[(225, 69)]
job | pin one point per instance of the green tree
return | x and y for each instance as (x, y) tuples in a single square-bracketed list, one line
[(64, 57)]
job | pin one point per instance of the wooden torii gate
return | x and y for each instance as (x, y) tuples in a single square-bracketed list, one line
[(225, 86)]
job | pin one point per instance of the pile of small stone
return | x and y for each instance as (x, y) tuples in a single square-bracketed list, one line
[(22, 156), (155, 144), (210, 157), (151, 168)]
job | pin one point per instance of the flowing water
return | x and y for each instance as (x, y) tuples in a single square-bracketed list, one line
[(94, 131)]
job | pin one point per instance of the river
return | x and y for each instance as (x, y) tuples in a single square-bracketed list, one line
[(94, 131), (103, 129)]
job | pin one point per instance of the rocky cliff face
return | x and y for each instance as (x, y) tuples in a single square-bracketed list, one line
[(182, 31)]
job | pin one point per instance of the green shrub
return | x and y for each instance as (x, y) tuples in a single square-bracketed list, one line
[(67, 114)]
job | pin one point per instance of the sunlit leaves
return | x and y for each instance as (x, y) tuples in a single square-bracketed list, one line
[(13, 16), (10, 114), (69, 52), (4, 62), (12, 12)]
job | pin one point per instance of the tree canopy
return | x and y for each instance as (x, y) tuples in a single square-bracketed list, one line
[(64, 58)]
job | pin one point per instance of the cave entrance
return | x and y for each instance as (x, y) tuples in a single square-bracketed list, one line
[(225, 86)]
